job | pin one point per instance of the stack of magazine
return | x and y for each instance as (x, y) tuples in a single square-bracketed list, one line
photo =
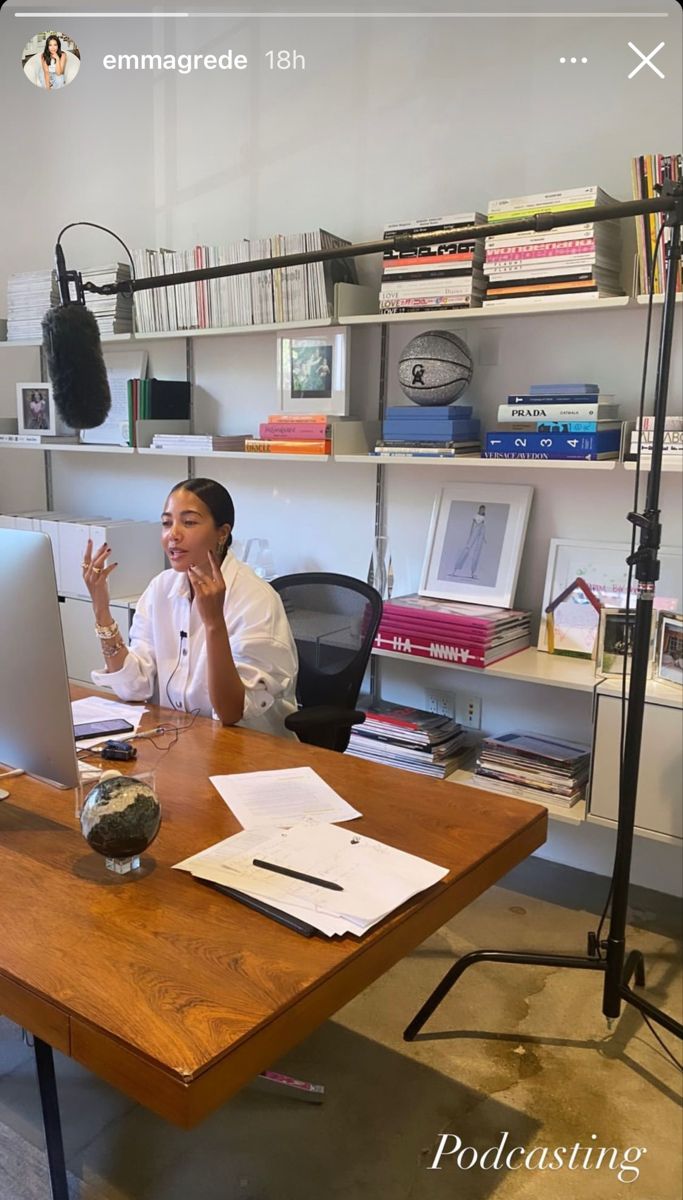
[(532, 766), (429, 278), (570, 261), (401, 736), (475, 635), (29, 295)]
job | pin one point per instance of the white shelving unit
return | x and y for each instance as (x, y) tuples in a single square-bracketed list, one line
[(530, 666), (527, 666)]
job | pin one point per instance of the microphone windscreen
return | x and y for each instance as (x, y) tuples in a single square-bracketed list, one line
[(73, 352)]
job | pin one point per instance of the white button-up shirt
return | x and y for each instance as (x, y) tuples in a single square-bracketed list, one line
[(167, 663)]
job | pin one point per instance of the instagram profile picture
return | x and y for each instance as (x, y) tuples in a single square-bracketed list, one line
[(51, 60)]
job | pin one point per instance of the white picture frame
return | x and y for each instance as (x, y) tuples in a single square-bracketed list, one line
[(36, 412), (475, 542), (668, 661), (313, 372), (603, 567)]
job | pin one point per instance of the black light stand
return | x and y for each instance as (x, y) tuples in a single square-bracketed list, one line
[(619, 969)]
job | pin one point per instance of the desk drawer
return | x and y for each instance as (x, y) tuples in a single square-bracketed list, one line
[(40, 1017)]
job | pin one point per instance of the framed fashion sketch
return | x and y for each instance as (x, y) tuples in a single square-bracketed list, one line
[(36, 411), (312, 373), (603, 567), (475, 543)]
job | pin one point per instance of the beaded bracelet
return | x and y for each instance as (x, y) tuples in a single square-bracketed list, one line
[(107, 631)]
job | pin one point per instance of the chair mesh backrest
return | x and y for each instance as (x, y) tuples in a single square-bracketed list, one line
[(334, 619)]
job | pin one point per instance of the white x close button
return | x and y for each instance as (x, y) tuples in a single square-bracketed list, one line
[(646, 60)]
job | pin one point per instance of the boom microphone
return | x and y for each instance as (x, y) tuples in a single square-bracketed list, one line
[(73, 352)]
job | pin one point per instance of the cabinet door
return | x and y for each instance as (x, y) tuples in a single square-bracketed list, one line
[(658, 805), (81, 643)]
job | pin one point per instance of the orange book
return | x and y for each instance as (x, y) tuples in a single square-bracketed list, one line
[(288, 417), (288, 446)]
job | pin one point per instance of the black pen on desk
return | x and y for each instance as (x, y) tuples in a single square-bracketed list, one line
[(268, 866)]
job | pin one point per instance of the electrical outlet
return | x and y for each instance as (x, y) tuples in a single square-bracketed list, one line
[(468, 712), (442, 703)]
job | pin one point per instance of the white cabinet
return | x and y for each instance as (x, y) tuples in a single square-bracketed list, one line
[(659, 810)]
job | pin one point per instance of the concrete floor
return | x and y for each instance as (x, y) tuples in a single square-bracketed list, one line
[(517, 1049)]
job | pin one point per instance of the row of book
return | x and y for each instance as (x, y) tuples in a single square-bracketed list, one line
[(299, 293), (474, 635), (532, 766), (582, 260), (642, 439), (648, 172), (557, 421), (411, 738), (31, 293), (282, 433)]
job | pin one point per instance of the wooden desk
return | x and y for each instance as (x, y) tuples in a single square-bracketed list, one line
[(178, 995)]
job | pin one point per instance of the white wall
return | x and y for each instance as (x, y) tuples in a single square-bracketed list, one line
[(391, 118)]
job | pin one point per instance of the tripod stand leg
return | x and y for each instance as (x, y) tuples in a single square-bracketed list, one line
[(505, 956), (634, 968)]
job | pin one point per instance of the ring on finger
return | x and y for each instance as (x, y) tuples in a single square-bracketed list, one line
[(96, 570)]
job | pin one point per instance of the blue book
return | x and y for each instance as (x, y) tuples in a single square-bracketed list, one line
[(577, 426), (554, 445), (430, 431), (436, 412), (564, 389)]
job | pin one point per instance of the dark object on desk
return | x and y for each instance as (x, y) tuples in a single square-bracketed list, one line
[(88, 729), (326, 883), (334, 620), (120, 818), (119, 751), (259, 906)]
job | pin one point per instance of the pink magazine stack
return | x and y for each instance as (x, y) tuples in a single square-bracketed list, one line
[(474, 635)]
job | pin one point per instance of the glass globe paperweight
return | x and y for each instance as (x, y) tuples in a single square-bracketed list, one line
[(120, 818)]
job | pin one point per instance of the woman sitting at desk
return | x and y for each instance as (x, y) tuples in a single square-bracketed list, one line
[(209, 633)]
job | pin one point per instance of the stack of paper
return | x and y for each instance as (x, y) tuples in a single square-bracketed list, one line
[(328, 879)]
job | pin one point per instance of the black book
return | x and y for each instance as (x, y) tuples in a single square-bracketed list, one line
[(169, 400)]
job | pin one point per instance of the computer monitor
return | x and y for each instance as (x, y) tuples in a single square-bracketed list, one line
[(36, 727)]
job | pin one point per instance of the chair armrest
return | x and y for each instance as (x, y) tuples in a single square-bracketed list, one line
[(323, 714)]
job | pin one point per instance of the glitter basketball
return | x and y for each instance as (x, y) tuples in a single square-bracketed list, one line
[(435, 368)]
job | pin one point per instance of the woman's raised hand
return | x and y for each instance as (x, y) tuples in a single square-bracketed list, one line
[(209, 592), (96, 574)]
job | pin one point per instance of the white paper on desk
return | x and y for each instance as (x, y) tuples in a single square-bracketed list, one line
[(375, 878), (264, 799), (100, 708), (230, 863)]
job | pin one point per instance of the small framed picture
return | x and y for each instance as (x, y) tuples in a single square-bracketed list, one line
[(615, 640), (668, 663), (35, 409), (312, 373), (475, 543)]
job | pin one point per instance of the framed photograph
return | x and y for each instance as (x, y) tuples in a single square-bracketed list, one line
[(35, 409), (615, 640), (668, 664), (602, 565), (313, 372), (475, 543)]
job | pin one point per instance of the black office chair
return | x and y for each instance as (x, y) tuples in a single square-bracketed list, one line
[(334, 620)]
